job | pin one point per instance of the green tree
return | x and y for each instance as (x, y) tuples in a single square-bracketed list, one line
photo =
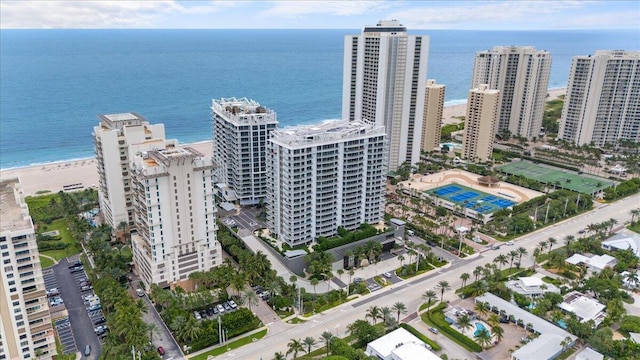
[(483, 337), (429, 296), (464, 277), (309, 342), (294, 347), (326, 337), (250, 298), (443, 285), (464, 322), (373, 313), (399, 308)]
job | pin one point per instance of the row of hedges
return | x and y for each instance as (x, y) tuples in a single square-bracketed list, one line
[(236, 323), (51, 245), (421, 336), (436, 317), (345, 237)]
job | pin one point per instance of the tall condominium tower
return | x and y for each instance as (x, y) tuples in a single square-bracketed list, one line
[(25, 323), (241, 128), (522, 75), (603, 99), (112, 138), (175, 214), (325, 176), (480, 124), (433, 108), (384, 77)]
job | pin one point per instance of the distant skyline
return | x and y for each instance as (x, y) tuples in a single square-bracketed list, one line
[(416, 15)]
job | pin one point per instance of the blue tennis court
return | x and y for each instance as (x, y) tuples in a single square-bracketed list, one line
[(475, 200)]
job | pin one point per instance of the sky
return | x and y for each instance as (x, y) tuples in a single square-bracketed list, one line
[(232, 14)]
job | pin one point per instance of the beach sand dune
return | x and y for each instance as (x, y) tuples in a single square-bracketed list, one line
[(54, 177)]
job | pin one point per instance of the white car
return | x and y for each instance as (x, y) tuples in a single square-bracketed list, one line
[(509, 242), (233, 304), (140, 292), (220, 308), (56, 301)]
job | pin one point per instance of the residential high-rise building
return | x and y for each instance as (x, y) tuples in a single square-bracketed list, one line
[(25, 323), (384, 76), (326, 176), (433, 108), (241, 128), (603, 99), (112, 138), (521, 73), (175, 214), (480, 125)]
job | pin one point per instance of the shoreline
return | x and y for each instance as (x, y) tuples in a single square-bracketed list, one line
[(53, 176)]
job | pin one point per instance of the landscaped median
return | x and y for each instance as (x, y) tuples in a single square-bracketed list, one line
[(435, 318), (230, 346)]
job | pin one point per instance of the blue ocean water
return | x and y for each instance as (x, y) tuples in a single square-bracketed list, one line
[(53, 83)]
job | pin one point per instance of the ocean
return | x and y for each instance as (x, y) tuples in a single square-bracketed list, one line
[(53, 83)]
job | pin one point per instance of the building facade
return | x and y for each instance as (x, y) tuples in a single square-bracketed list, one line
[(326, 176), (432, 123), (241, 128), (384, 76), (521, 73), (602, 105), (483, 106), (175, 214), (25, 323), (112, 138)]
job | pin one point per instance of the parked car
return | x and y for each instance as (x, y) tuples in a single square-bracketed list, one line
[(509, 242), (89, 297), (226, 305), (358, 280), (74, 264), (160, 350), (99, 321), (387, 275), (53, 292), (100, 329), (220, 308), (87, 350), (77, 269), (140, 292), (86, 288), (94, 307), (197, 315), (434, 330), (233, 304), (210, 312), (55, 301)]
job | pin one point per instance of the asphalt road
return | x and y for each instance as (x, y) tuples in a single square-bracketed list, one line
[(410, 292), (78, 317), (161, 334)]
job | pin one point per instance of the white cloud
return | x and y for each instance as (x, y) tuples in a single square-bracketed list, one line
[(98, 14), (339, 8)]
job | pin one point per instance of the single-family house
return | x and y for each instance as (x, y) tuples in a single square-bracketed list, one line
[(583, 307)]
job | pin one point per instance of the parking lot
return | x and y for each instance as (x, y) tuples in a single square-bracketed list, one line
[(246, 219), (67, 284)]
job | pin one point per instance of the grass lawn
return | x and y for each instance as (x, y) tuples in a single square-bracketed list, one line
[(45, 262), (65, 237), (232, 345)]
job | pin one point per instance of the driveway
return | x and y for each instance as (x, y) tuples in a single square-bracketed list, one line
[(161, 335)]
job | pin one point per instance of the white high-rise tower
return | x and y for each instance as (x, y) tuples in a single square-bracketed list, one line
[(603, 99), (384, 76), (522, 75)]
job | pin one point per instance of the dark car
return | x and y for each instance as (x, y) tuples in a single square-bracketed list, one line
[(160, 350), (215, 311), (100, 321), (74, 264)]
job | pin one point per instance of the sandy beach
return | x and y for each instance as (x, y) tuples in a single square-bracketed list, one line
[(54, 176)]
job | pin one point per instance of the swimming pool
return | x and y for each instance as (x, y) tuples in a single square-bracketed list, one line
[(562, 324), (479, 328), (451, 146)]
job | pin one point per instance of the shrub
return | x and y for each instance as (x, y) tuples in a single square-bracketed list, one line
[(436, 317)]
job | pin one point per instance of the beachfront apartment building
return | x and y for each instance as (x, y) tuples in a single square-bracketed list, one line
[(241, 128), (483, 106), (384, 76), (321, 177), (602, 105), (521, 73), (173, 193), (25, 323), (112, 138), (432, 118)]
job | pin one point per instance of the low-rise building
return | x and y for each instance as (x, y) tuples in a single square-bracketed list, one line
[(589, 354), (623, 241), (400, 345), (552, 341), (583, 307), (531, 286), (594, 263)]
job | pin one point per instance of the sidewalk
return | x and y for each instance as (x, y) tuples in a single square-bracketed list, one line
[(228, 341)]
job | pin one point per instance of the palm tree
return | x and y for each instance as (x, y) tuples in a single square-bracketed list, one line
[(386, 313), (543, 245), (340, 273), (429, 295), (314, 282), (521, 252), (477, 272), (483, 337), (512, 255), (494, 319), (567, 243), (401, 258), (374, 313), (497, 331), (464, 277), (612, 222), (464, 322), (634, 214), (529, 326), (501, 260), (279, 356), (482, 308), (309, 342), (238, 282), (399, 308), (250, 298), (536, 253), (443, 285), (326, 337), (552, 241), (294, 347)]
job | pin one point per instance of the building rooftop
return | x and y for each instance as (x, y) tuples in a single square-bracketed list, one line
[(386, 345), (623, 241), (413, 351), (327, 132), (596, 261), (243, 111), (635, 337), (117, 121), (14, 214), (589, 354), (545, 346), (583, 307), (531, 281)]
